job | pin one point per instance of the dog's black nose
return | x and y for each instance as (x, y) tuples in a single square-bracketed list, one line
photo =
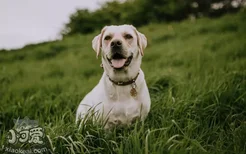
[(116, 43)]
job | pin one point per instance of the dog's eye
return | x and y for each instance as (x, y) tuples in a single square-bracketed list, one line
[(128, 36), (107, 37)]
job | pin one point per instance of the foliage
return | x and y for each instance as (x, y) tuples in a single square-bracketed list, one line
[(142, 12)]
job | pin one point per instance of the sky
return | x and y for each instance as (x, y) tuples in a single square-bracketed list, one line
[(32, 21)]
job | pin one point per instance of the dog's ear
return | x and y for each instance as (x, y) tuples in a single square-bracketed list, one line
[(141, 40), (97, 42)]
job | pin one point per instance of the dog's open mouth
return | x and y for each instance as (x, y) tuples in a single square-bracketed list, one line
[(119, 61)]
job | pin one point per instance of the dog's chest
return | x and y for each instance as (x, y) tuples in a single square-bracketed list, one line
[(124, 112), (122, 108)]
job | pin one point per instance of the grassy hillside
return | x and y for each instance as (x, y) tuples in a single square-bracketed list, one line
[(195, 71)]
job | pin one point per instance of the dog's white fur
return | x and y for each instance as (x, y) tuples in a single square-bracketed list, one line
[(112, 102)]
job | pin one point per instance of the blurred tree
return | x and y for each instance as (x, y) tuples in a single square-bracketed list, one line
[(141, 12), (81, 21)]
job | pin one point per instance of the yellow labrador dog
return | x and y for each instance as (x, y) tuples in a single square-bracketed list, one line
[(121, 96)]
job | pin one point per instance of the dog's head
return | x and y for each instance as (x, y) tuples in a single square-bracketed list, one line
[(122, 50)]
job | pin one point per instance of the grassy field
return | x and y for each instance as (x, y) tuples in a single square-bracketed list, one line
[(195, 71)]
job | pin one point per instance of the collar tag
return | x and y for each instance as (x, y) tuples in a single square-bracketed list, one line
[(133, 91)]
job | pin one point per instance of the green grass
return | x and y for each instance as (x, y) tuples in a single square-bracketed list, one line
[(195, 71)]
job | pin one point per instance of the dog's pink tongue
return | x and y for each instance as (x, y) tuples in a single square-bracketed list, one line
[(118, 63)]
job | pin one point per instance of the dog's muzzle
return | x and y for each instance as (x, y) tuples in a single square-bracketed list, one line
[(119, 61)]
